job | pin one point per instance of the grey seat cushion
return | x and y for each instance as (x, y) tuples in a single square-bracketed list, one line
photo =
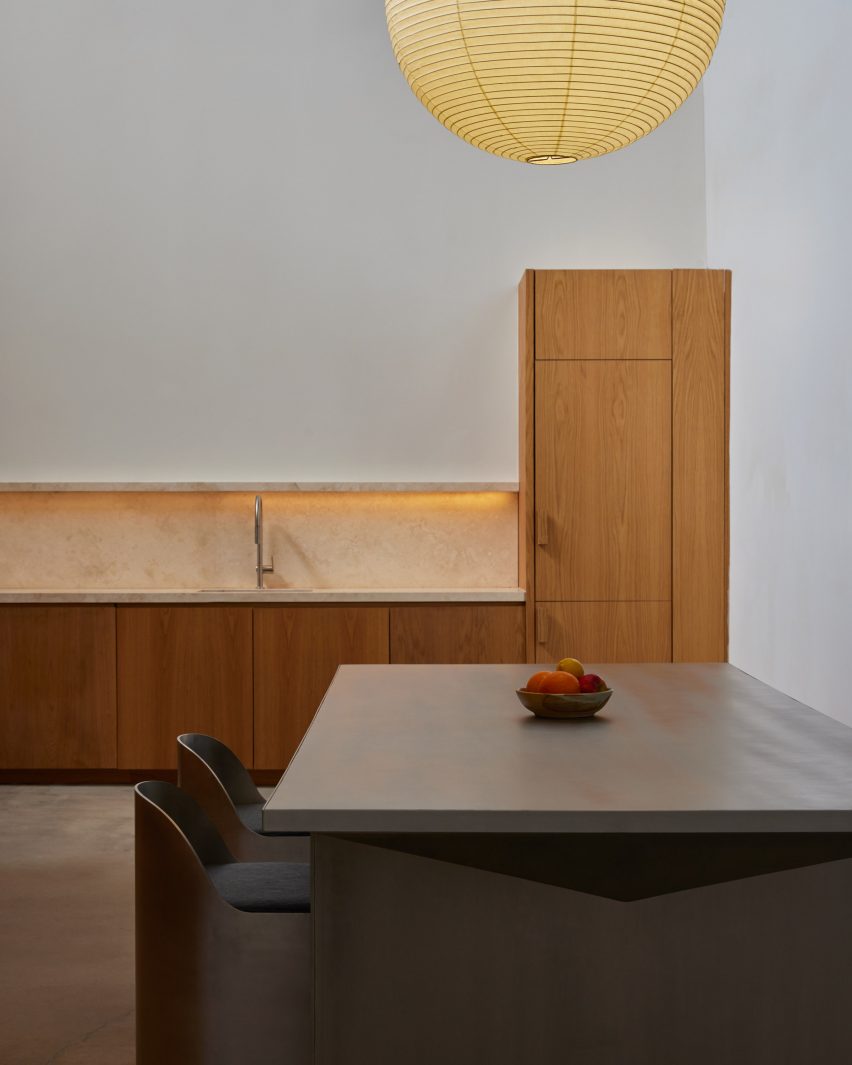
[(264, 887)]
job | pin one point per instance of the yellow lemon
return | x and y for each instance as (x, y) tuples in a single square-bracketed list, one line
[(571, 665)]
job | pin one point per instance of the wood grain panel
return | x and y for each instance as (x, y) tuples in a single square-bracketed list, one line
[(699, 466), (182, 669), (604, 632), (296, 653), (603, 314), (526, 452), (450, 634), (603, 480), (57, 687)]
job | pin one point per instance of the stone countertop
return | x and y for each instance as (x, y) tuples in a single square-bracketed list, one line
[(678, 748), (259, 486), (267, 595)]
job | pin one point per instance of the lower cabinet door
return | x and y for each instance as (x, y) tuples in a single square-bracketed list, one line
[(57, 687), (182, 669), (296, 653), (604, 632), (448, 633)]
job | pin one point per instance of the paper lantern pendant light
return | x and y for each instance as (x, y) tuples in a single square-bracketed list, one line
[(552, 83)]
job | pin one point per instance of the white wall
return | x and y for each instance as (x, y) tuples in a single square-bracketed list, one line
[(235, 247), (780, 215)]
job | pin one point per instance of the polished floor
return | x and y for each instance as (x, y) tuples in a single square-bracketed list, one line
[(66, 926)]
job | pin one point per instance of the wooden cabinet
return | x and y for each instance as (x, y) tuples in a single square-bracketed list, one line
[(701, 316), (603, 314), (604, 632), (296, 652), (448, 633), (624, 472), (105, 687), (182, 669), (57, 687), (603, 480)]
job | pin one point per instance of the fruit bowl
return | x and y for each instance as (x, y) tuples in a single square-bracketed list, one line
[(564, 707)]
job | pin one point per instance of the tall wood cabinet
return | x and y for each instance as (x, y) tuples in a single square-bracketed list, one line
[(623, 505)]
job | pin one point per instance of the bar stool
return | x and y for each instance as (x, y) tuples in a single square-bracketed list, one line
[(223, 948), (220, 783)]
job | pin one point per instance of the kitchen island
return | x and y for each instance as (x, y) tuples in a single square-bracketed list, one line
[(646, 886)]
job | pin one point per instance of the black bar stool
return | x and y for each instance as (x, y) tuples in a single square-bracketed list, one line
[(223, 948), (220, 783)]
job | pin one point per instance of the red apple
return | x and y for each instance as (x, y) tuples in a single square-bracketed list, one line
[(591, 682)]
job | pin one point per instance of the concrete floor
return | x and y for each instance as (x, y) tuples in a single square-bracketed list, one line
[(66, 926)]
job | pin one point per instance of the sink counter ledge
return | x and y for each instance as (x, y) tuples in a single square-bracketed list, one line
[(267, 595)]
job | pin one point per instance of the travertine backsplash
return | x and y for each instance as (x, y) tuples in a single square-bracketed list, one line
[(169, 540)]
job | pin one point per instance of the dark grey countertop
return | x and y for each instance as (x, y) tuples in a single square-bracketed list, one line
[(679, 748)]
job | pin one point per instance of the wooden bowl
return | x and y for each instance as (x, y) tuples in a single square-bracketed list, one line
[(564, 707)]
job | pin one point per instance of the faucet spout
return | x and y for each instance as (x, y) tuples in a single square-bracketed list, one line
[(260, 568)]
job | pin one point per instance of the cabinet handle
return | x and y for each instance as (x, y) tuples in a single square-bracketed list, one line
[(541, 529), (541, 624)]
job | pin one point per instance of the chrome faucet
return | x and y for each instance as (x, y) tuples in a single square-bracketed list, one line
[(258, 539)]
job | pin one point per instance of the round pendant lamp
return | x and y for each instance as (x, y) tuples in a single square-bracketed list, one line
[(551, 83)]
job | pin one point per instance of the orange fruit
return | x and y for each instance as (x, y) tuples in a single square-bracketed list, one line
[(534, 683), (559, 683)]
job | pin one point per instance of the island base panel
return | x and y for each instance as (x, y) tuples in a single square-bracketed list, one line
[(423, 960)]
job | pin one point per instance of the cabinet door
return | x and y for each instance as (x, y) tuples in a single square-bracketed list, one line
[(603, 480), (296, 653), (603, 314), (57, 687), (448, 634), (604, 632), (182, 669)]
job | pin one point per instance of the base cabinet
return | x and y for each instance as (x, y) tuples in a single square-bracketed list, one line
[(182, 669), (111, 687), (296, 652), (449, 634), (57, 687)]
